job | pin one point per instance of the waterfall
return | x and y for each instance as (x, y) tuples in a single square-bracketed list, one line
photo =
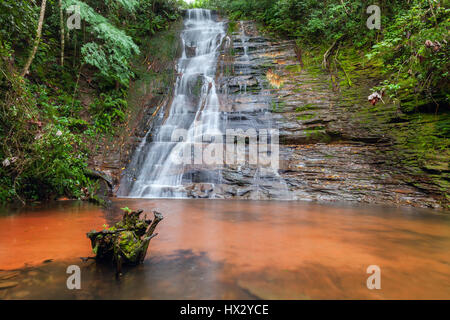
[(207, 121), (195, 108)]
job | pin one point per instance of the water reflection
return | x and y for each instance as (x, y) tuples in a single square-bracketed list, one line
[(235, 250)]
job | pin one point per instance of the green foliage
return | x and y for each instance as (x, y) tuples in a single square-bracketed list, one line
[(112, 49), (127, 210), (40, 159), (308, 20), (149, 22), (108, 110), (17, 21), (417, 74), (47, 134), (415, 67), (128, 5)]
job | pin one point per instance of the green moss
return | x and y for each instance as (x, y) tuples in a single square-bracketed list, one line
[(306, 117), (306, 107), (278, 106), (129, 245), (154, 68), (232, 27), (318, 134), (421, 140), (296, 68)]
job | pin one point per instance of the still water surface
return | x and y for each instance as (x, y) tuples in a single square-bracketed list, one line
[(232, 250)]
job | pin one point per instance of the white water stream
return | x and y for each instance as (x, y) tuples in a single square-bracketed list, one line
[(196, 112)]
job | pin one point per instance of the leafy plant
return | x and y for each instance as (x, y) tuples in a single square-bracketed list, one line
[(127, 210), (108, 110)]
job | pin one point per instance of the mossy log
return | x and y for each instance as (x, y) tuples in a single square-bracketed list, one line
[(127, 241)]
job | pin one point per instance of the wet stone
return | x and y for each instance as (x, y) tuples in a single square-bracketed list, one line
[(8, 284)]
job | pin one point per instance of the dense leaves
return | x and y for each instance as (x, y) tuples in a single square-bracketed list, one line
[(111, 49), (47, 132), (412, 43), (415, 52)]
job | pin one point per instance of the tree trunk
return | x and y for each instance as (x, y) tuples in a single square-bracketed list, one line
[(61, 23), (127, 242), (37, 40)]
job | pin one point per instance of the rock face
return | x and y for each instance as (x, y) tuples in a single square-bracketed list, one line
[(326, 153)]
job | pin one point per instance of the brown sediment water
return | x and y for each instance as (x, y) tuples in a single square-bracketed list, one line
[(235, 250), (30, 236)]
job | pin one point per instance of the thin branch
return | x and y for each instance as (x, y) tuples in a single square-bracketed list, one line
[(37, 40)]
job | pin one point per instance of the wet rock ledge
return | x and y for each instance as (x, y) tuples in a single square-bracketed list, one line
[(327, 152)]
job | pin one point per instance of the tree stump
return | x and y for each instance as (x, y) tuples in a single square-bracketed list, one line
[(127, 241)]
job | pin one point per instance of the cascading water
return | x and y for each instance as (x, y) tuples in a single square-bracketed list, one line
[(195, 108), (204, 111)]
